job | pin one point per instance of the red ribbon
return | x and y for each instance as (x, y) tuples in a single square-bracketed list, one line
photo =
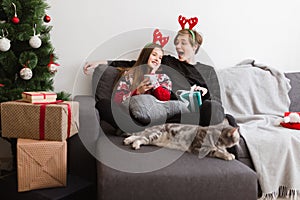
[(43, 117), (42, 121)]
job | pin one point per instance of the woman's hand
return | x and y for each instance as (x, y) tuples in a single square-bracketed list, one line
[(202, 89), (144, 86), (90, 66)]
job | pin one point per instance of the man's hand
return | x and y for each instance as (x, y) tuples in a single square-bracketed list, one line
[(202, 89), (89, 67)]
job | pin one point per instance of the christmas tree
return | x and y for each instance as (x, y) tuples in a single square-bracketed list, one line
[(27, 59)]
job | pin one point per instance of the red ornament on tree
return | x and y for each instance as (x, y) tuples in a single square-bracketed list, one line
[(47, 18), (15, 19)]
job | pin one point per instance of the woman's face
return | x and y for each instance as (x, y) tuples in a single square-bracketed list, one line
[(154, 59), (185, 50)]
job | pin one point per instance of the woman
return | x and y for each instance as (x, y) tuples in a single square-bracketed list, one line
[(133, 82)]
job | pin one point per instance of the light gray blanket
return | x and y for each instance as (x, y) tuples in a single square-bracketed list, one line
[(257, 96)]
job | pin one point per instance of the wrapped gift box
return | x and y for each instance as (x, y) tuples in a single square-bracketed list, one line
[(56, 121), (41, 164), (39, 97), (192, 98)]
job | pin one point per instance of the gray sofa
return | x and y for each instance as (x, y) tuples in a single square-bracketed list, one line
[(117, 175)]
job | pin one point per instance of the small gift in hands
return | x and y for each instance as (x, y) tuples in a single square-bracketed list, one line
[(153, 80), (192, 98)]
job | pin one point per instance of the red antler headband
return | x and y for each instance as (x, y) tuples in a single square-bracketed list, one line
[(157, 36), (191, 21)]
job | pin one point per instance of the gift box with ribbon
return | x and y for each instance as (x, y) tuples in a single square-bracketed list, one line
[(41, 164), (44, 121), (39, 97), (191, 98)]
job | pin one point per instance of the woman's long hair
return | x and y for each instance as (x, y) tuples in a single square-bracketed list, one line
[(140, 67)]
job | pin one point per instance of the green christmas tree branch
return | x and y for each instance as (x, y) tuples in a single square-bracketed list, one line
[(26, 53)]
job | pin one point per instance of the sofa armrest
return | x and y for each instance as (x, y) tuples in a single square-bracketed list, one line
[(81, 146), (88, 121)]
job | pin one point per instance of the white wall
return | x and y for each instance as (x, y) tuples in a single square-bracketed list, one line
[(265, 30)]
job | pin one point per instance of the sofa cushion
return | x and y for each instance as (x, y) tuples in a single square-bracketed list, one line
[(294, 93), (188, 177)]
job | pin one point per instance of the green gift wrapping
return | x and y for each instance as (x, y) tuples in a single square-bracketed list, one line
[(191, 98)]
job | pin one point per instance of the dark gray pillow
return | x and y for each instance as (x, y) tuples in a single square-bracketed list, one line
[(103, 81), (294, 93), (147, 109)]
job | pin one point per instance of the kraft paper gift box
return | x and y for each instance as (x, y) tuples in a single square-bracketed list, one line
[(54, 121), (41, 164), (39, 97)]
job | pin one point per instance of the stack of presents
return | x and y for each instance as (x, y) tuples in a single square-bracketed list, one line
[(42, 126)]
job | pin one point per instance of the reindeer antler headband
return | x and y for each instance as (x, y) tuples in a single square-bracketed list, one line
[(192, 23), (158, 37)]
